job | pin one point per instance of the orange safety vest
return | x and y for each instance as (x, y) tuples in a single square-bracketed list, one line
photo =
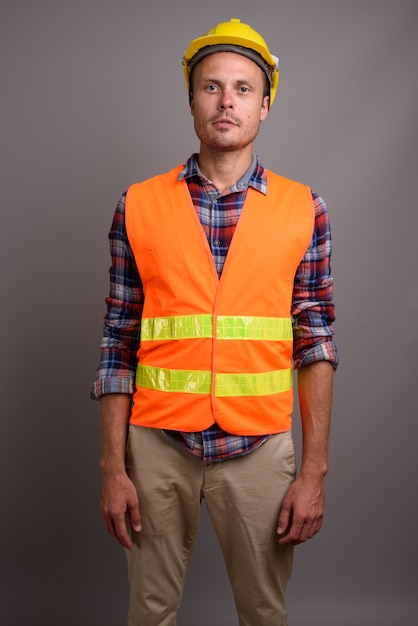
[(216, 349)]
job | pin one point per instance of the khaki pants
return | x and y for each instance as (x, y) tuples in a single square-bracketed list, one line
[(243, 497)]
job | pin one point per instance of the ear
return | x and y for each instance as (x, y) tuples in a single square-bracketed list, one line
[(264, 108), (191, 101)]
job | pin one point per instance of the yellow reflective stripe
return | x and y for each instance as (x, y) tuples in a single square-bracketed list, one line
[(252, 327), (196, 381), (163, 379), (261, 384), (228, 327), (176, 327)]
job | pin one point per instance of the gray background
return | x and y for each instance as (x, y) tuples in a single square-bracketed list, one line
[(92, 99)]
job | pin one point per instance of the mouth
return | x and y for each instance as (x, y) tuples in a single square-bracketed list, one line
[(225, 122)]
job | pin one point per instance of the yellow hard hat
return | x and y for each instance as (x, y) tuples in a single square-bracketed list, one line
[(233, 36)]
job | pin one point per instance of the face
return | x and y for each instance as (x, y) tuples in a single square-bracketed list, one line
[(227, 101)]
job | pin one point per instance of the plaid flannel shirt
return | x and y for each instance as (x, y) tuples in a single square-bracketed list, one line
[(312, 302)]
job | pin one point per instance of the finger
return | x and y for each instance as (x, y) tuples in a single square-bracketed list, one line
[(135, 518), (301, 530), (121, 531), (108, 522), (295, 534)]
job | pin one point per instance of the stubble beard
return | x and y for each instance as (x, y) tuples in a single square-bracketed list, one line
[(223, 139)]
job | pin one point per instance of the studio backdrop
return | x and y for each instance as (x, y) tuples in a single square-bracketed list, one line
[(92, 100)]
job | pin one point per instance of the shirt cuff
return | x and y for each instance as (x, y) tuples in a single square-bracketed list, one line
[(326, 351), (115, 384)]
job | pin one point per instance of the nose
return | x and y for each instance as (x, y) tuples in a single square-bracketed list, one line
[(227, 100)]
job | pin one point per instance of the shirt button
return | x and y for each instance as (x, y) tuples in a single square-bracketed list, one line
[(216, 242)]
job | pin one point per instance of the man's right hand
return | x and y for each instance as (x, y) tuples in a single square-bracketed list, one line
[(120, 506), (119, 498)]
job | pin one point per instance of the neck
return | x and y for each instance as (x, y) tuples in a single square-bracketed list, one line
[(224, 169)]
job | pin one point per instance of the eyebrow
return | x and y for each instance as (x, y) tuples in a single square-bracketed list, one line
[(238, 81)]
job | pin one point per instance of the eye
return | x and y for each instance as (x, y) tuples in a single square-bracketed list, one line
[(211, 87), (244, 89)]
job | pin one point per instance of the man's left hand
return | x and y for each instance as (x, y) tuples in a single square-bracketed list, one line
[(302, 511)]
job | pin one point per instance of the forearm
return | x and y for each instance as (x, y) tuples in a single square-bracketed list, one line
[(315, 385), (119, 496), (115, 410)]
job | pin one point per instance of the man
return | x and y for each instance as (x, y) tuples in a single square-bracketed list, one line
[(220, 278)]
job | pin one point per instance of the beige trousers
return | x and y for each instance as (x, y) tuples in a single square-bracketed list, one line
[(243, 497)]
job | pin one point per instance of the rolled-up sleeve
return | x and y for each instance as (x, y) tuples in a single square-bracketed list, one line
[(121, 331), (313, 311)]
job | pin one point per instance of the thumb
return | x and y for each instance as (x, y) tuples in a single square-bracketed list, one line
[(135, 517), (284, 519)]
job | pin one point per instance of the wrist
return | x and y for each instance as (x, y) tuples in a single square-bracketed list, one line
[(314, 469), (112, 467)]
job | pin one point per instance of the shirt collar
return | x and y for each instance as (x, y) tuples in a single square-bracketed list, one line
[(254, 177)]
